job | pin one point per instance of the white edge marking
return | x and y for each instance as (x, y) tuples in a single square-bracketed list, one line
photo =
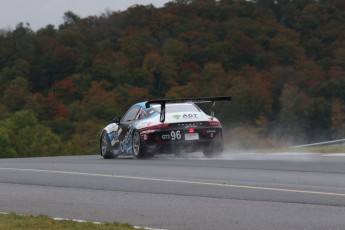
[(182, 182)]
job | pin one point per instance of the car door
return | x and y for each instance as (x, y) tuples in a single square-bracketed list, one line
[(125, 129)]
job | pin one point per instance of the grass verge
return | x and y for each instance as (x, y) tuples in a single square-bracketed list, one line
[(311, 149), (13, 221), (323, 149)]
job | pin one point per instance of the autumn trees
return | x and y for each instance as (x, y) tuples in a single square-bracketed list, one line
[(281, 61)]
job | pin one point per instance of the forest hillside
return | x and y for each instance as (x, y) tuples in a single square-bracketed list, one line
[(282, 61)]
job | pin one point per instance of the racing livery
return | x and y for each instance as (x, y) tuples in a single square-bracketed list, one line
[(164, 126)]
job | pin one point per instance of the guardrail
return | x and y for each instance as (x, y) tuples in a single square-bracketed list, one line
[(335, 142)]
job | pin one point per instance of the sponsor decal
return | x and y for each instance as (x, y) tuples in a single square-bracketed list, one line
[(211, 131), (173, 135), (187, 125), (126, 143), (188, 116), (113, 138), (177, 117), (165, 137)]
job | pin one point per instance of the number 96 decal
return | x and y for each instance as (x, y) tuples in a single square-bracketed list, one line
[(173, 135)]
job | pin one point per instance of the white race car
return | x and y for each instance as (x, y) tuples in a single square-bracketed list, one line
[(164, 126)]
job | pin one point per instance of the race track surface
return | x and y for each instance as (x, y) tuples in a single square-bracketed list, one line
[(238, 191)]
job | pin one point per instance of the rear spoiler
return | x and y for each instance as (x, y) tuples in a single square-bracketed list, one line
[(162, 102)]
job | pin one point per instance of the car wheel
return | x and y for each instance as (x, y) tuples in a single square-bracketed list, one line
[(180, 154), (137, 147), (105, 147), (215, 149)]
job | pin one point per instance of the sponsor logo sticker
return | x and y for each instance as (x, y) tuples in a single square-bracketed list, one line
[(188, 116), (177, 117)]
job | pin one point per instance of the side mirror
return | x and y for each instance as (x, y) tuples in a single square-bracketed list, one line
[(116, 120)]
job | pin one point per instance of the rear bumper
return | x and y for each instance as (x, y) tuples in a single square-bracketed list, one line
[(156, 142)]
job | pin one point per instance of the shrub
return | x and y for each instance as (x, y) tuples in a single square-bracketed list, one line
[(23, 136)]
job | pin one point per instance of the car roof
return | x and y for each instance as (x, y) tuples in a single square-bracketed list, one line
[(143, 104)]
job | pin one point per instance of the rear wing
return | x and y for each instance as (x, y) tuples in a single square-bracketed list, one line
[(162, 102)]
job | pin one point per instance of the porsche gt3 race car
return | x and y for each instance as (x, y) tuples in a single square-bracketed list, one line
[(164, 126)]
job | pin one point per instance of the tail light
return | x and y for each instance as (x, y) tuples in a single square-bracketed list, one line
[(214, 123), (155, 127)]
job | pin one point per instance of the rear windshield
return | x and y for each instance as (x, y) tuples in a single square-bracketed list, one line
[(177, 108)]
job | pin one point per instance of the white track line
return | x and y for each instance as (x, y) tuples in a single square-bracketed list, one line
[(180, 181)]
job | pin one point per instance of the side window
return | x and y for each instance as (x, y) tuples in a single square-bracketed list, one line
[(131, 114), (142, 114)]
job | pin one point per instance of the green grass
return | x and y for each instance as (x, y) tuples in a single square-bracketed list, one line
[(14, 221), (323, 149), (311, 149)]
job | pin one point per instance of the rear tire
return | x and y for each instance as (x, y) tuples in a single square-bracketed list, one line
[(138, 148), (180, 154), (107, 152), (215, 149)]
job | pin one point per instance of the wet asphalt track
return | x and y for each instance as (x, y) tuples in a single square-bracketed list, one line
[(239, 191)]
